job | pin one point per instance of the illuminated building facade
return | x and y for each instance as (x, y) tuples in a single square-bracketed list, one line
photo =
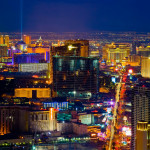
[(13, 119), (56, 105), (1, 39), (145, 70), (72, 75), (27, 39), (4, 54), (86, 118), (39, 42), (140, 108), (45, 50), (94, 129), (144, 51), (33, 92), (116, 53), (20, 58), (12, 51), (94, 53), (22, 46), (72, 48), (83, 44), (134, 60), (42, 121), (7, 40), (143, 136), (3, 51), (34, 67)]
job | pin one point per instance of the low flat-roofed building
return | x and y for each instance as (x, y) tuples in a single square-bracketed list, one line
[(33, 92), (79, 128), (64, 127), (42, 121), (13, 119)]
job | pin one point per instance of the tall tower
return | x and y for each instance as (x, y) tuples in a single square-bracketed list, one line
[(140, 108), (145, 70), (74, 76), (135, 44), (1, 39), (39, 41), (27, 39), (142, 139), (7, 40), (82, 44)]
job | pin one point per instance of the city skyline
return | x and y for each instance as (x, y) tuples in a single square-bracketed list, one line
[(74, 74)]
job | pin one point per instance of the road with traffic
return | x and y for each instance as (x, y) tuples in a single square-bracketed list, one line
[(113, 123)]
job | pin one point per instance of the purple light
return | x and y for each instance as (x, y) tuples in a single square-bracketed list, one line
[(111, 103)]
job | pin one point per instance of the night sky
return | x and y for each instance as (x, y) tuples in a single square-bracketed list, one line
[(75, 15)]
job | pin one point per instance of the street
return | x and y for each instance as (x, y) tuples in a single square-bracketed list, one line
[(115, 113)]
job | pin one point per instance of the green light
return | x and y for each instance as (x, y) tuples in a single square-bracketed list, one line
[(102, 126), (33, 147)]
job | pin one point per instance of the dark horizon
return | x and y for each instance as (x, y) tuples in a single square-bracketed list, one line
[(75, 16), (97, 31)]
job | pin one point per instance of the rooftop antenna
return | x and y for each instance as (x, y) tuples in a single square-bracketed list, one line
[(21, 14)]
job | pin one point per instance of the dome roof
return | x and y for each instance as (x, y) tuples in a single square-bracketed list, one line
[(20, 43)]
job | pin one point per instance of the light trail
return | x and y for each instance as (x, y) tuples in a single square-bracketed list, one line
[(115, 114)]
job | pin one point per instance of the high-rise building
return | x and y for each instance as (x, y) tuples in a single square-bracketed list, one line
[(72, 48), (1, 39), (72, 76), (74, 73), (7, 40), (135, 45), (148, 135), (140, 108), (145, 70), (3, 50), (143, 51), (84, 46), (143, 136), (27, 39), (116, 53)]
